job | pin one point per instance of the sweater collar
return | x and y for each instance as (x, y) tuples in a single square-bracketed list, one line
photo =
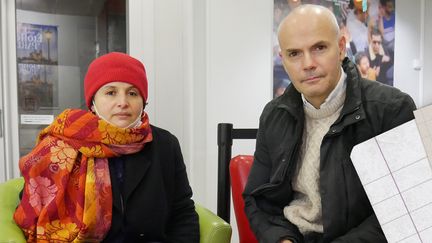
[(333, 97)]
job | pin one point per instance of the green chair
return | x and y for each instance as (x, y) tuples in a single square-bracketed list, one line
[(212, 228)]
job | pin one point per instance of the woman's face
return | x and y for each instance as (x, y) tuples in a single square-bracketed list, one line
[(119, 103)]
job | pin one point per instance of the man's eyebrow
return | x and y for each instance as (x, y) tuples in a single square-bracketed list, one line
[(322, 42), (292, 49)]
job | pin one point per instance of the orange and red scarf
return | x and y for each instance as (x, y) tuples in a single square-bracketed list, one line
[(67, 191)]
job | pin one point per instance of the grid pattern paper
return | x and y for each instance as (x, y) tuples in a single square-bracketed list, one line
[(396, 174)]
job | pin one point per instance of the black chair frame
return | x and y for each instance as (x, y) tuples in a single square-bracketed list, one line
[(226, 135)]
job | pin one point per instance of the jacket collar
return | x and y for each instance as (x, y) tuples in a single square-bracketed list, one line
[(291, 99)]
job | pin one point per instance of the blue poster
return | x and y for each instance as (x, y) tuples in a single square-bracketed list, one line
[(37, 58), (37, 44)]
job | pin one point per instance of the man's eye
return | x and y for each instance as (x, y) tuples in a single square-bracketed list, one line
[(133, 93), (320, 47), (293, 54), (110, 93)]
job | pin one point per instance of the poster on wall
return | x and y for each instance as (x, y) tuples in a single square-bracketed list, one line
[(368, 27), (37, 58)]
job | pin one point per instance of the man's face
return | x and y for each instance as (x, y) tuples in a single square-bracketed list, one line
[(311, 54), (364, 65), (389, 7), (376, 43)]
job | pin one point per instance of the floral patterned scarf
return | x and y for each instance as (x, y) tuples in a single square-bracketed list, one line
[(67, 193)]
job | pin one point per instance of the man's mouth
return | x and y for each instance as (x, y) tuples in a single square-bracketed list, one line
[(311, 79)]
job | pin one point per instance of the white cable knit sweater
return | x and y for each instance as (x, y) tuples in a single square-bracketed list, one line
[(305, 210)]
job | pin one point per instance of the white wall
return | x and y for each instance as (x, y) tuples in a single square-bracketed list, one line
[(427, 54), (408, 48), (239, 72)]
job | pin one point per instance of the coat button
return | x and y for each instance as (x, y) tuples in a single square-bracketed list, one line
[(141, 235), (357, 117)]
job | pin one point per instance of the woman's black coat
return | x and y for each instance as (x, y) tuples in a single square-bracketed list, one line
[(152, 198)]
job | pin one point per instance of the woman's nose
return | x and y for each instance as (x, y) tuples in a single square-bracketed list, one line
[(122, 101)]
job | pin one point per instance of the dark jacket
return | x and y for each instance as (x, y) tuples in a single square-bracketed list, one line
[(154, 204), (370, 108)]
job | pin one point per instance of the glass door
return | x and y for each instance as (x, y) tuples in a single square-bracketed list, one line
[(55, 42), (7, 127)]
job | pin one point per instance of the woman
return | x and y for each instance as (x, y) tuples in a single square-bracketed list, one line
[(107, 174)]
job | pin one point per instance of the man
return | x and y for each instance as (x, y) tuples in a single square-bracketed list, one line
[(357, 25), (302, 186), (387, 23), (362, 62), (380, 60)]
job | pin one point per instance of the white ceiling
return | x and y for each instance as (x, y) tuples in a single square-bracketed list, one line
[(64, 7)]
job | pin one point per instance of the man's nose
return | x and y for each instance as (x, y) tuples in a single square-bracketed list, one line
[(308, 61)]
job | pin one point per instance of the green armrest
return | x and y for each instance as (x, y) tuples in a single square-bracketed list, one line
[(9, 198), (212, 228)]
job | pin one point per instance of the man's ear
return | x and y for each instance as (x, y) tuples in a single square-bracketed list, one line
[(342, 47), (92, 108)]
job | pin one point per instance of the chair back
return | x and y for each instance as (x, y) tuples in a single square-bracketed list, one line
[(239, 171)]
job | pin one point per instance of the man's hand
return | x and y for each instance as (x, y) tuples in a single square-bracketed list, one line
[(286, 241)]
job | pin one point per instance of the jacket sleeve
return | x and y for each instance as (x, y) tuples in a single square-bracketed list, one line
[(368, 231), (395, 114), (183, 226), (268, 227)]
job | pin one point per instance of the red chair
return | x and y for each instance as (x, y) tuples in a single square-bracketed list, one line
[(239, 171)]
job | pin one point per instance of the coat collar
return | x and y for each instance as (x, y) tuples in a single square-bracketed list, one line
[(135, 167)]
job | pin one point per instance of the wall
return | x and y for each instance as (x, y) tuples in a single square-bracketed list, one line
[(427, 54), (408, 34)]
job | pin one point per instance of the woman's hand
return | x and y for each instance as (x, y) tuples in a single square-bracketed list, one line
[(286, 241)]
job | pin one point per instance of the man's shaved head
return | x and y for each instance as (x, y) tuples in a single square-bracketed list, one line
[(309, 12)]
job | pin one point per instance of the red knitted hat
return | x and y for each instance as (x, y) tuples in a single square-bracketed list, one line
[(114, 67)]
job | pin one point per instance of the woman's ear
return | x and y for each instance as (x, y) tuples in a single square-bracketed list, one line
[(92, 108)]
